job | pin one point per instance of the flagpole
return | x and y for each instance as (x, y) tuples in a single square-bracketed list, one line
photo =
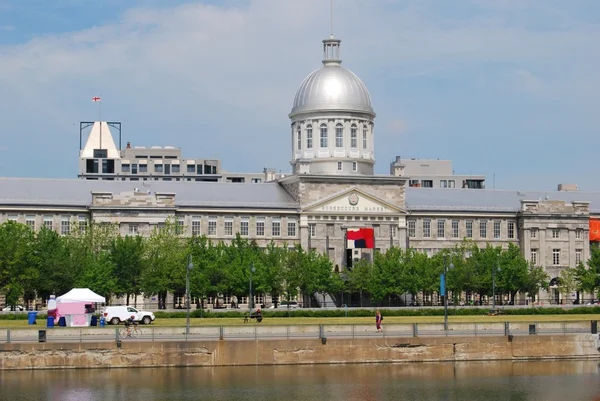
[(100, 115)]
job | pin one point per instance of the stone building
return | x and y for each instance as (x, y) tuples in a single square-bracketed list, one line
[(333, 188)]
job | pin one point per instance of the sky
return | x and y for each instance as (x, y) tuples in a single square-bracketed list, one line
[(505, 88)]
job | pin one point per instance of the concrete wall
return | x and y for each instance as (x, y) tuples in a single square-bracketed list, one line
[(297, 351)]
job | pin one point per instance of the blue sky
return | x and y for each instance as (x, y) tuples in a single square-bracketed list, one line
[(504, 87)]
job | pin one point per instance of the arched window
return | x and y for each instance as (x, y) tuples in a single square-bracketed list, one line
[(323, 135), (309, 137), (299, 139), (364, 137), (353, 136), (339, 136)]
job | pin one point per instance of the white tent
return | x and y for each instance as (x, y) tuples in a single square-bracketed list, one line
[(80, 295)]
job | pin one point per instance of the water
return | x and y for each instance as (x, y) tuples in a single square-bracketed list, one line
[(472, 381)]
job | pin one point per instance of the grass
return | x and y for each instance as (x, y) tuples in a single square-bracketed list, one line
[(226, 321)]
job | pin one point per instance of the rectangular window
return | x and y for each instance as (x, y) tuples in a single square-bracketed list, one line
[(291, 228), (511, 229), (82, 222), (323, 136), (299, 139), (229, 227), (191, 169), (143, 168), (354, 166), (426, 228), (556, 257), (441, 228), (497, 229), (412, 228), (196, 226), (134, 168), (534, 256), (578, 233), (364, 138), (309, 137), (65, 225), (339, 166), (469, 228), (454, 228), (48, 222), (555, 233), (451, 184), (353, 137), (180, 226), (312, 230), (577, 256), (134, 229), (276, 228), (244, 226), (443, 184), (175, 168), (483, 229), (212, 226), (534, 232), (30, 221), (125, 168), (158, 168), (260, 227), (101, 153), (339, 136), (393, 231)]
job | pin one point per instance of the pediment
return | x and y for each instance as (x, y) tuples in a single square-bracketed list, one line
[(354, 201)]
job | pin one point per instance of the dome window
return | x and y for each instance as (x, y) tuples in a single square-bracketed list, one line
[(364, 137), (309, 137), (353, 136), (323, 135), (299, 139), (339, 136)]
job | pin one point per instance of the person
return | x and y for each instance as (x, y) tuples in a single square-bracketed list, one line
[(129, 323), (378, 319)]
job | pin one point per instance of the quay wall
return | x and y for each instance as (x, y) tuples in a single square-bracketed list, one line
[(128, 354)]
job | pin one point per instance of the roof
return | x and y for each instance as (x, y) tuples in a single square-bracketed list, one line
[(77, 192), (488, 200)]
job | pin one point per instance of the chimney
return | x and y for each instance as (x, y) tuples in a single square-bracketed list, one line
[(269, 174), (567, 187), (128, 145)]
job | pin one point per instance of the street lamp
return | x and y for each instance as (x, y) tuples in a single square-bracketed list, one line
[(190, 266), (494, 270), (445, 291), (250, 301)]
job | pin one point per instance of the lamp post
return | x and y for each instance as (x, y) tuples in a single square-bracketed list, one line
[(250, 300), (494, 270), (189, 267), (445, 291)]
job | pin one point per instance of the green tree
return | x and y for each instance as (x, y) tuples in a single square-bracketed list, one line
[(17, 275), (127, 258)]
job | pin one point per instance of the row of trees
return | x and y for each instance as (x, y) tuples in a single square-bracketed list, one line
[(38, 264)]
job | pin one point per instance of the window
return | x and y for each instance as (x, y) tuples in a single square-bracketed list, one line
[(309, 137), (125, 168), (393, 231), (175, 168), (101, 153), (229, 227), (441, 228), (244, 226), (469, 228), (299, 139), (212, 226), (454, 228), (276, 228), (65, 225), (339, 166), (497, 229), (412, 228), (13, 217), (158, 168), (291, 228), (451, 184), (511, 229), (482, 229), (578, 233), (323, 136), (191, 168), (364, 137), (534, 232), (82, 221), (354, 166), (555, 233), (426, 228), (443, 184), (134, 168), (556, 257), (577, 256), (196, 227), (30, 221), (312, 230), (48, 222), (134, 229), (534, 256), (260, 227), (339, 136), (143, 168), (353, 137)]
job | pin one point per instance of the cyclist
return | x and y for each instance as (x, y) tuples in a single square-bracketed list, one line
[(129, 324)]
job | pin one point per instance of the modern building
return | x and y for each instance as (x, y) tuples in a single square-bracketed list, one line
[(333, 189)]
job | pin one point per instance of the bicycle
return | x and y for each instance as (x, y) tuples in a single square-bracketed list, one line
[(130, 332)]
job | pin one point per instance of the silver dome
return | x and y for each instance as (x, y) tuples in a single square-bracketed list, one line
[(332, 87)]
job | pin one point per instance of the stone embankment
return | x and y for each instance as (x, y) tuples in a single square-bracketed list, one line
[(127, 353)]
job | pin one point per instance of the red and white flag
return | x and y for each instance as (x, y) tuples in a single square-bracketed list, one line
[(96, 99)]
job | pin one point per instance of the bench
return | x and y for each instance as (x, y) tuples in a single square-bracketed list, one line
[(253, 315), (495, 312)]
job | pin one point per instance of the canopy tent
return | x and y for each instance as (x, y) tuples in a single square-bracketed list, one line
[(80, 295)]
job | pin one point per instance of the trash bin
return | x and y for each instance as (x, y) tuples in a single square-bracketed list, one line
[(102, 321), (50, 321), (42, 336), (62, 322), (31, 316), (94, 321), (532, 329), (594, 327)]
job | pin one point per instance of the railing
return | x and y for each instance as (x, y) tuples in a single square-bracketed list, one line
[(282, 332)]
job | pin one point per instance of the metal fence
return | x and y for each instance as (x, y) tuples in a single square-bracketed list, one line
[(256, 331)]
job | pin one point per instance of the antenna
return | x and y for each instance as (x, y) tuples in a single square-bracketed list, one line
[(331, 20)]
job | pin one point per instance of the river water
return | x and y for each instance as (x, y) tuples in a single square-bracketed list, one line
[(471, 381)]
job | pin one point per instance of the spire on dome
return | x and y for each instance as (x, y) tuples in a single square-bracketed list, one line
[(331, 46)]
